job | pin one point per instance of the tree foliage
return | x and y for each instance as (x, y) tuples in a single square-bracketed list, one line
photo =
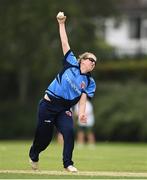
[(29, 39)]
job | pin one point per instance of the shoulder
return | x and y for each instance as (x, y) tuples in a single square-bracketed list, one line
[(90, 79), (92, 83), (91, 87), (71, 58)]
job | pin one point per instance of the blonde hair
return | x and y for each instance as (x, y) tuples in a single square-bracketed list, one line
[(87, 55)]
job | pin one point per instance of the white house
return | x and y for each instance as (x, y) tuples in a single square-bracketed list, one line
[(128, 32)]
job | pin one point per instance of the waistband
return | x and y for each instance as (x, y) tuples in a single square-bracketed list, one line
[(60, 101)]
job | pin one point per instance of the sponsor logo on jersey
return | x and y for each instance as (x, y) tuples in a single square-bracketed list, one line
[(47, 121), (73, 85)]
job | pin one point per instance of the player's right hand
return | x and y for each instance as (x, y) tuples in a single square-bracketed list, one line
[(61, 17)]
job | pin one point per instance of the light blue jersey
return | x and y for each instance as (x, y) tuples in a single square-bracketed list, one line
[(70, 83)]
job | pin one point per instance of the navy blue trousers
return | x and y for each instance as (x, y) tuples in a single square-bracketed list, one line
[(50, 116)]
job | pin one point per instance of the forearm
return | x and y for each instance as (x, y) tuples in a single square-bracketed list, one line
[(61, 18), (82, 105), (64, 38), (82, 108)]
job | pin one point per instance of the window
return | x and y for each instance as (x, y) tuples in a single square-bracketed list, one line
[(135, 28), (144, 29)]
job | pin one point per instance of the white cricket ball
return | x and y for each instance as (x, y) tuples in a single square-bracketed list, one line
[(60, 15)]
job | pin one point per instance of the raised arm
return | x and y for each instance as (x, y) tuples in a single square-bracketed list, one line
[(62, 31)]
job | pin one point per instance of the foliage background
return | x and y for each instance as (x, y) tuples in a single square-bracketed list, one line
[(30, 57)]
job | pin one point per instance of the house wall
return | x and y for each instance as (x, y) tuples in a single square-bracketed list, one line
[(128, 35)]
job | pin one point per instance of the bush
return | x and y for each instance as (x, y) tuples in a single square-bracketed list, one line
[(17, 121), (120, 111), (122, 70)]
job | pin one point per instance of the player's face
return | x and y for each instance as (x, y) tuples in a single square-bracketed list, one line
[(88, 64)]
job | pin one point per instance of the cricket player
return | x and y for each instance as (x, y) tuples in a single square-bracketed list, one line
[(73, 84)]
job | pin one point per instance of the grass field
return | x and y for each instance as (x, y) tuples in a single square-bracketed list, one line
[(104, 161)]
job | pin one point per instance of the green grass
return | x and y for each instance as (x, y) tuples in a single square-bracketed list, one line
[(108, 157)]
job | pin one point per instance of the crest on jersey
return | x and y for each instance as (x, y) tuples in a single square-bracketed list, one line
[(82, 85)]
